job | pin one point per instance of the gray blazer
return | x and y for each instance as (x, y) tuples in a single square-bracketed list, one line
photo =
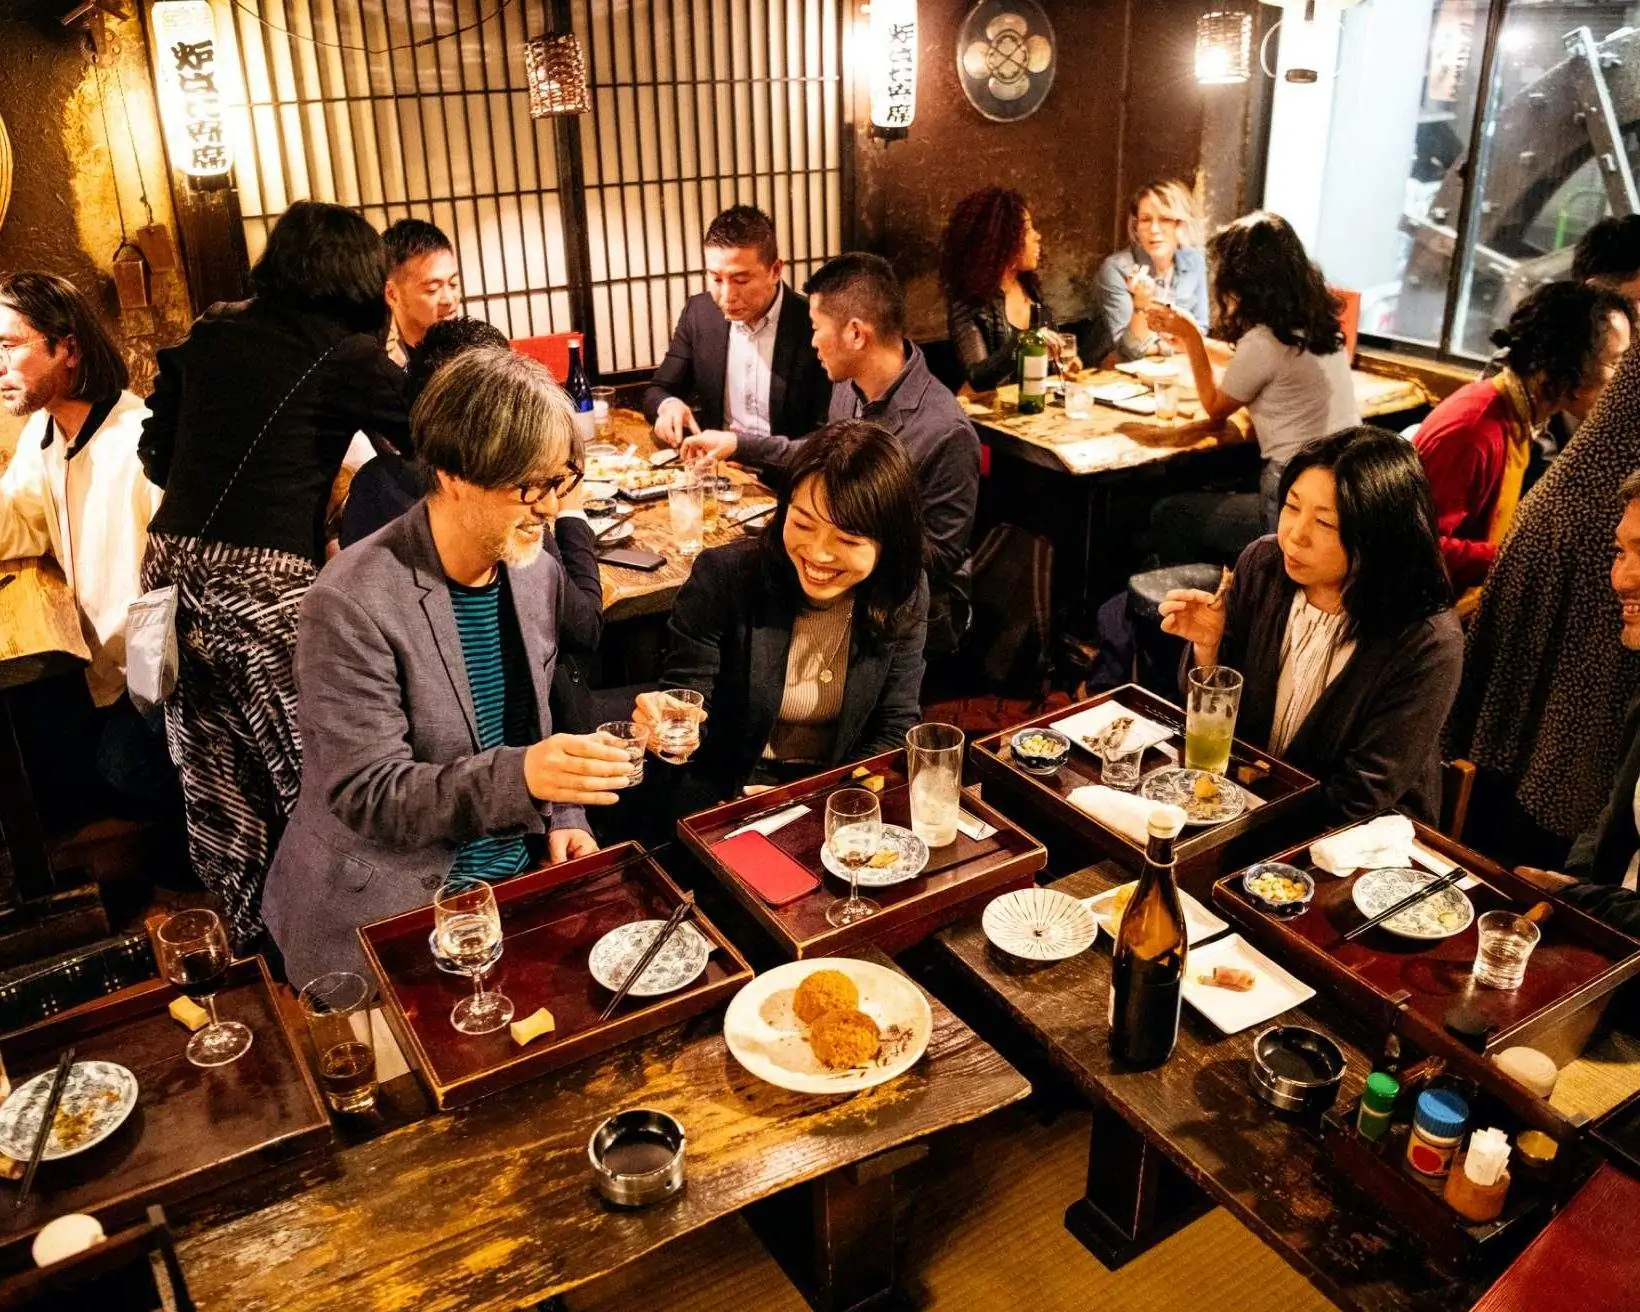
[(392, 778)]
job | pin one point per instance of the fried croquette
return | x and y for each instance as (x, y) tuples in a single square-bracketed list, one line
[(823, 991), (845, 1039)]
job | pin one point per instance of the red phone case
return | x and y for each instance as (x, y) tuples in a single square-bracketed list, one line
[(765, 869)]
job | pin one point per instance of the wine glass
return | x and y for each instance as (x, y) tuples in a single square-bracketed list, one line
[(468, 924), (193, 954), (854, 832)]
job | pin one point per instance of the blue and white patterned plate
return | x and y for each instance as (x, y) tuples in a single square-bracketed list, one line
[(1177, 787), (679, 963), (97, 1098), (1039, 924), (910, 858), (1447, 913)]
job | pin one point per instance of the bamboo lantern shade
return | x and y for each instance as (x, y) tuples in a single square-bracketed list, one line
[(558, 76)]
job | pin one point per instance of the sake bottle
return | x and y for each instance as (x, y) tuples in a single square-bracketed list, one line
[(1147, 972)]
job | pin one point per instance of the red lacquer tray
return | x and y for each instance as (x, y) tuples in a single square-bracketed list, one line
[(550, 920)]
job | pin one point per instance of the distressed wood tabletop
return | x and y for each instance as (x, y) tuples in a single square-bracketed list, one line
[(628, 592), (39, 622), (1198, 1109), (493, 1206)]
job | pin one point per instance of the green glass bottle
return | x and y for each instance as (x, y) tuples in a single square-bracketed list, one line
[(1032, 353)]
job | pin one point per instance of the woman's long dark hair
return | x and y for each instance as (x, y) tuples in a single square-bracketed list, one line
[(986, 231), (871, 492), (1386, 522), (1262, 276), (325, 259)]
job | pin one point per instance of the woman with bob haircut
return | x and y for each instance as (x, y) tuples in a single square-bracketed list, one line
[(250, 417), (1341, 625), (808, 643), (988, 270), (1290, 371), (1162, 265)]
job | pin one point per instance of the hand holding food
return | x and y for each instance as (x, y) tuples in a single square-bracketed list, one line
[(1194, 615)]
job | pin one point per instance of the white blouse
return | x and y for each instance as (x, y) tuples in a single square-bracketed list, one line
[(1312, 655)]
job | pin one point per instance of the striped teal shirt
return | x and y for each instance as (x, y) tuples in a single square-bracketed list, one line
[(498, 676)]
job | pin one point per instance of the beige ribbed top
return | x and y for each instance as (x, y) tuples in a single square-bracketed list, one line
[(811, 703)]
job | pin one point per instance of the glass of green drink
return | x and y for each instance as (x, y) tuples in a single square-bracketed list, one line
[(1210, 717)]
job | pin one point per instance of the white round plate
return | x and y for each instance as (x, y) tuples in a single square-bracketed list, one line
[(1177, 787), (680, 962), (766, 1037), (1039, 924), (910, 860), (622, 533), (1449, 912), (665, 456), (97, 1098)]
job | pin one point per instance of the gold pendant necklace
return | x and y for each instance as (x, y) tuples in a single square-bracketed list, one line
[(826, 675)]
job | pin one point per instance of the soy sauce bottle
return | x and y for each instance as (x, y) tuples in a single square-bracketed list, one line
[(1147, 973)]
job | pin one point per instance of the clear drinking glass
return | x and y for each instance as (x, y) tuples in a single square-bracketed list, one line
[(1505, 942), (686, 501), (632, 736), (678, 733), (1078, 400), (468, 924), (193, 953), (1121, 769), (934, 768), (603, 410), (337, 1010), (1210, 717), (854, 832), (1166, 392)]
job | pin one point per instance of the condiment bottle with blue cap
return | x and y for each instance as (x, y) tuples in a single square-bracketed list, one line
[(1438, 1123)]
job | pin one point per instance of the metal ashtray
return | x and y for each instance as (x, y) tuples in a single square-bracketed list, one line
[(637, 1157), (1296, 1069)]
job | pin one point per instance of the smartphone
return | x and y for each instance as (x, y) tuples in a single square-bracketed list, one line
[(632, 558)]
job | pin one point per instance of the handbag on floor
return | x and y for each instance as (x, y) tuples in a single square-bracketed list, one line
[(151, 622)]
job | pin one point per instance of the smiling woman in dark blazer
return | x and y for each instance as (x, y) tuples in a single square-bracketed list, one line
[(1342, 627), (807, 644)]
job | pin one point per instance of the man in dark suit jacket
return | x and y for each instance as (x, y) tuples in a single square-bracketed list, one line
[(858, 310), (740, 360), (423, 664), (1602, 864)]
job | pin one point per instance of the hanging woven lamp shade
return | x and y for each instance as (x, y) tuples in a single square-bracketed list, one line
[(1224, 42), (557, 74)]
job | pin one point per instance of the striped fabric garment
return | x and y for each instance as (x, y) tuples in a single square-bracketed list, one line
[(231, 723), (498, 676)]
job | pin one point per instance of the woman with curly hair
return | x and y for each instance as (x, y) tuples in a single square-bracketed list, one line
[(1289, 370), (1163, 265), (1564, 343), (988, 263)]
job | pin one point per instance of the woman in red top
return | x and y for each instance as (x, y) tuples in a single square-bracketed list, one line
[(1564, 342)]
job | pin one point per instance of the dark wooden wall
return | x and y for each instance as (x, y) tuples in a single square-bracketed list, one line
[(1124, 108)]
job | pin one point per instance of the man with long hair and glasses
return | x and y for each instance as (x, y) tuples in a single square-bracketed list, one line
[(75, 490), (423, 664)]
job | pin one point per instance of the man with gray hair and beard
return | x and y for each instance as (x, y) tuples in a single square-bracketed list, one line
[(423, 661)]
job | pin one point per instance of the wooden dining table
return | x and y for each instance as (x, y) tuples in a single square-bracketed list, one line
[(630, 593), (493, 1206)]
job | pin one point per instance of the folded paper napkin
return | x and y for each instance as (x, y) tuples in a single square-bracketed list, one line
[(1096, 719), (1126, 813), (1380, 844)]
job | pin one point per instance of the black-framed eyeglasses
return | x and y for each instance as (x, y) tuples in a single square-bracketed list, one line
[(559, 485)]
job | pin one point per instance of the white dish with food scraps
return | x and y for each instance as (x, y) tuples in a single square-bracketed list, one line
[(678, 964), (1206, 799), (1274, 990), (901, 856), (1094, 721), (1440, 916), (1200, 924), (97, 1098), (1151, 369), (1039, 924), (765, 1036)]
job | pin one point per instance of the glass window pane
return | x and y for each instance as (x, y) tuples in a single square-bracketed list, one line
[(1559, 152), (1363, 160)]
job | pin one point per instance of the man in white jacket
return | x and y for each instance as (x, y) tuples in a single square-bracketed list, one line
[(75, 489)]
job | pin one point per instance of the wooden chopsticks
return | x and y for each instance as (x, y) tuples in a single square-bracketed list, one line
[(1429, 890), (41, 1136), (680, 913)]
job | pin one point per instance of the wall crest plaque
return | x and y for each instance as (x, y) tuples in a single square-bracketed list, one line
[(1006, 58)]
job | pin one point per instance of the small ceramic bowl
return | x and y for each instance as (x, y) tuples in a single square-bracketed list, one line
[(1296, 1069), (599, 507), (1039, 751), (637, 1157), (1281, 906)]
